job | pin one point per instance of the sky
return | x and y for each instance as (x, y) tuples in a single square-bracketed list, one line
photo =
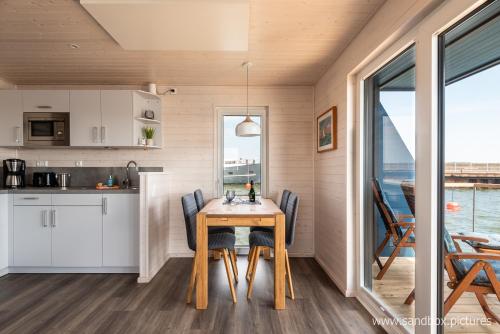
[(472, 117)]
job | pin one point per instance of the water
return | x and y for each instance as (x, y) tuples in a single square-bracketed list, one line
[(487, 212)]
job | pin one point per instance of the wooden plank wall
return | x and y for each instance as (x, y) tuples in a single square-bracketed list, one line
[(189, 149)]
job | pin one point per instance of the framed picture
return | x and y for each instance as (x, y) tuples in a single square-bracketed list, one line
[(327, 130)]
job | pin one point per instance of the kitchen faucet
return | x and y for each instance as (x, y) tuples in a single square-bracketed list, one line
[(127, 182)]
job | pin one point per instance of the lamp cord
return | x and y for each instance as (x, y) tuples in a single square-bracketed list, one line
[(248, 113)]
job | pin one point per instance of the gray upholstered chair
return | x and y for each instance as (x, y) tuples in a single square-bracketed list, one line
[(259, 239), (198, 196), (200, 203), (284, 200), (222, 242)]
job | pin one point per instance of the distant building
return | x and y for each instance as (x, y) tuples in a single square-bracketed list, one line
[(241, 171)]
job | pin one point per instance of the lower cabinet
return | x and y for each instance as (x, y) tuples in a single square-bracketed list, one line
[(32, 236), (88, 235), (120, 229), (4, 233), (76, 236)]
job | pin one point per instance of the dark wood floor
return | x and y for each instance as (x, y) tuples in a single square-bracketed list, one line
[(98, 303)]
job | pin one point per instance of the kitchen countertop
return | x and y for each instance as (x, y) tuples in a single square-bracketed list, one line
[(69, 190)]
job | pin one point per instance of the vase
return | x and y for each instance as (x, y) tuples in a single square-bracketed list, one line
[(150, 142)]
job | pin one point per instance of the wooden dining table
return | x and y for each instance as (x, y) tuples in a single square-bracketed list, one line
[(216, 213)]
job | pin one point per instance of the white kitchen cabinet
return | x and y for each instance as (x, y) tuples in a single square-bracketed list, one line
[(77, 199), (117, 118), (32, 236), (4, 233), (32, 199), (11, 118), (76, 236), (120, 230), (98, 118), (85, 118), (45, 100), (89, 231)]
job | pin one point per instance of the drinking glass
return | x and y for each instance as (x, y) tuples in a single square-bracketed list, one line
[(230, 195)]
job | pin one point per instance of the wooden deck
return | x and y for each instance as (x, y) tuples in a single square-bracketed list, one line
[(400, 280)]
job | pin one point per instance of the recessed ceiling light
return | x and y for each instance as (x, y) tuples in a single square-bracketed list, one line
[(74, 46)]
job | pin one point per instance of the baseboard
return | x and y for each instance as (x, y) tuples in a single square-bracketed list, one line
[(181, 254), (64, 270), (4, 271), (301, 254), (294, 254), (143, 280), (334, 278)]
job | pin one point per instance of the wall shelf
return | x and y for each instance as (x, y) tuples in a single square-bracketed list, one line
[(147, 120), (148, 146), (146, 93)]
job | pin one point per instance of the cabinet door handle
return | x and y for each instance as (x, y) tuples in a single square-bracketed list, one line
[(103, 134), (94, 134), (31, 198), (44, 218), (44, 107), (104, 205), (54, 218)]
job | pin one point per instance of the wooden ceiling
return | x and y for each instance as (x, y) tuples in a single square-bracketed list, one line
[(291, 42)]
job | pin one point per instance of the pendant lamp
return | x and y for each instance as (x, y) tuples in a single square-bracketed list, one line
[(247, 128)]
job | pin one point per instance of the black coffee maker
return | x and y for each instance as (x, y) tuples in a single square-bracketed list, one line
[(14, 173)]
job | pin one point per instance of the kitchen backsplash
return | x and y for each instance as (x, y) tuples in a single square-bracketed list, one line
[(90, 176)]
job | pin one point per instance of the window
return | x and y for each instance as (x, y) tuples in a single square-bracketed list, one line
[(469, 163), (389, 257), (241, 159)]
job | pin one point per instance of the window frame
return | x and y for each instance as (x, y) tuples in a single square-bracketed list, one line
[(219, 168)]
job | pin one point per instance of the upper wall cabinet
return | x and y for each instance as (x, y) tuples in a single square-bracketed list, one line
[(112, 118), (117, 118), (45, 100), (85, 118), (11, 118), (98, 118)]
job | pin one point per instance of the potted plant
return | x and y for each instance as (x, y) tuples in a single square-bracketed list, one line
[(149, 133)]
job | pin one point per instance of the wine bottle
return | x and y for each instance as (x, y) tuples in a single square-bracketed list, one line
[(251, 193)]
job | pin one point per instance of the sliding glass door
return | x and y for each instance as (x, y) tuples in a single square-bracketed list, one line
[(470, 171), (389, 177)]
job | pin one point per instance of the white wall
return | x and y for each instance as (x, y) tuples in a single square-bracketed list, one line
[(334, 200), (189, 149)]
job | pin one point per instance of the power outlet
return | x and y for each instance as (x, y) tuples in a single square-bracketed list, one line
[(42, 163), (79, 163)]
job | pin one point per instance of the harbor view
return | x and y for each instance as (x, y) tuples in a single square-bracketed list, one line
[(472, 154), (474, 214)]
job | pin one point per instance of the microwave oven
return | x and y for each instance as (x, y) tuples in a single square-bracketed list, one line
[(46, 129)]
